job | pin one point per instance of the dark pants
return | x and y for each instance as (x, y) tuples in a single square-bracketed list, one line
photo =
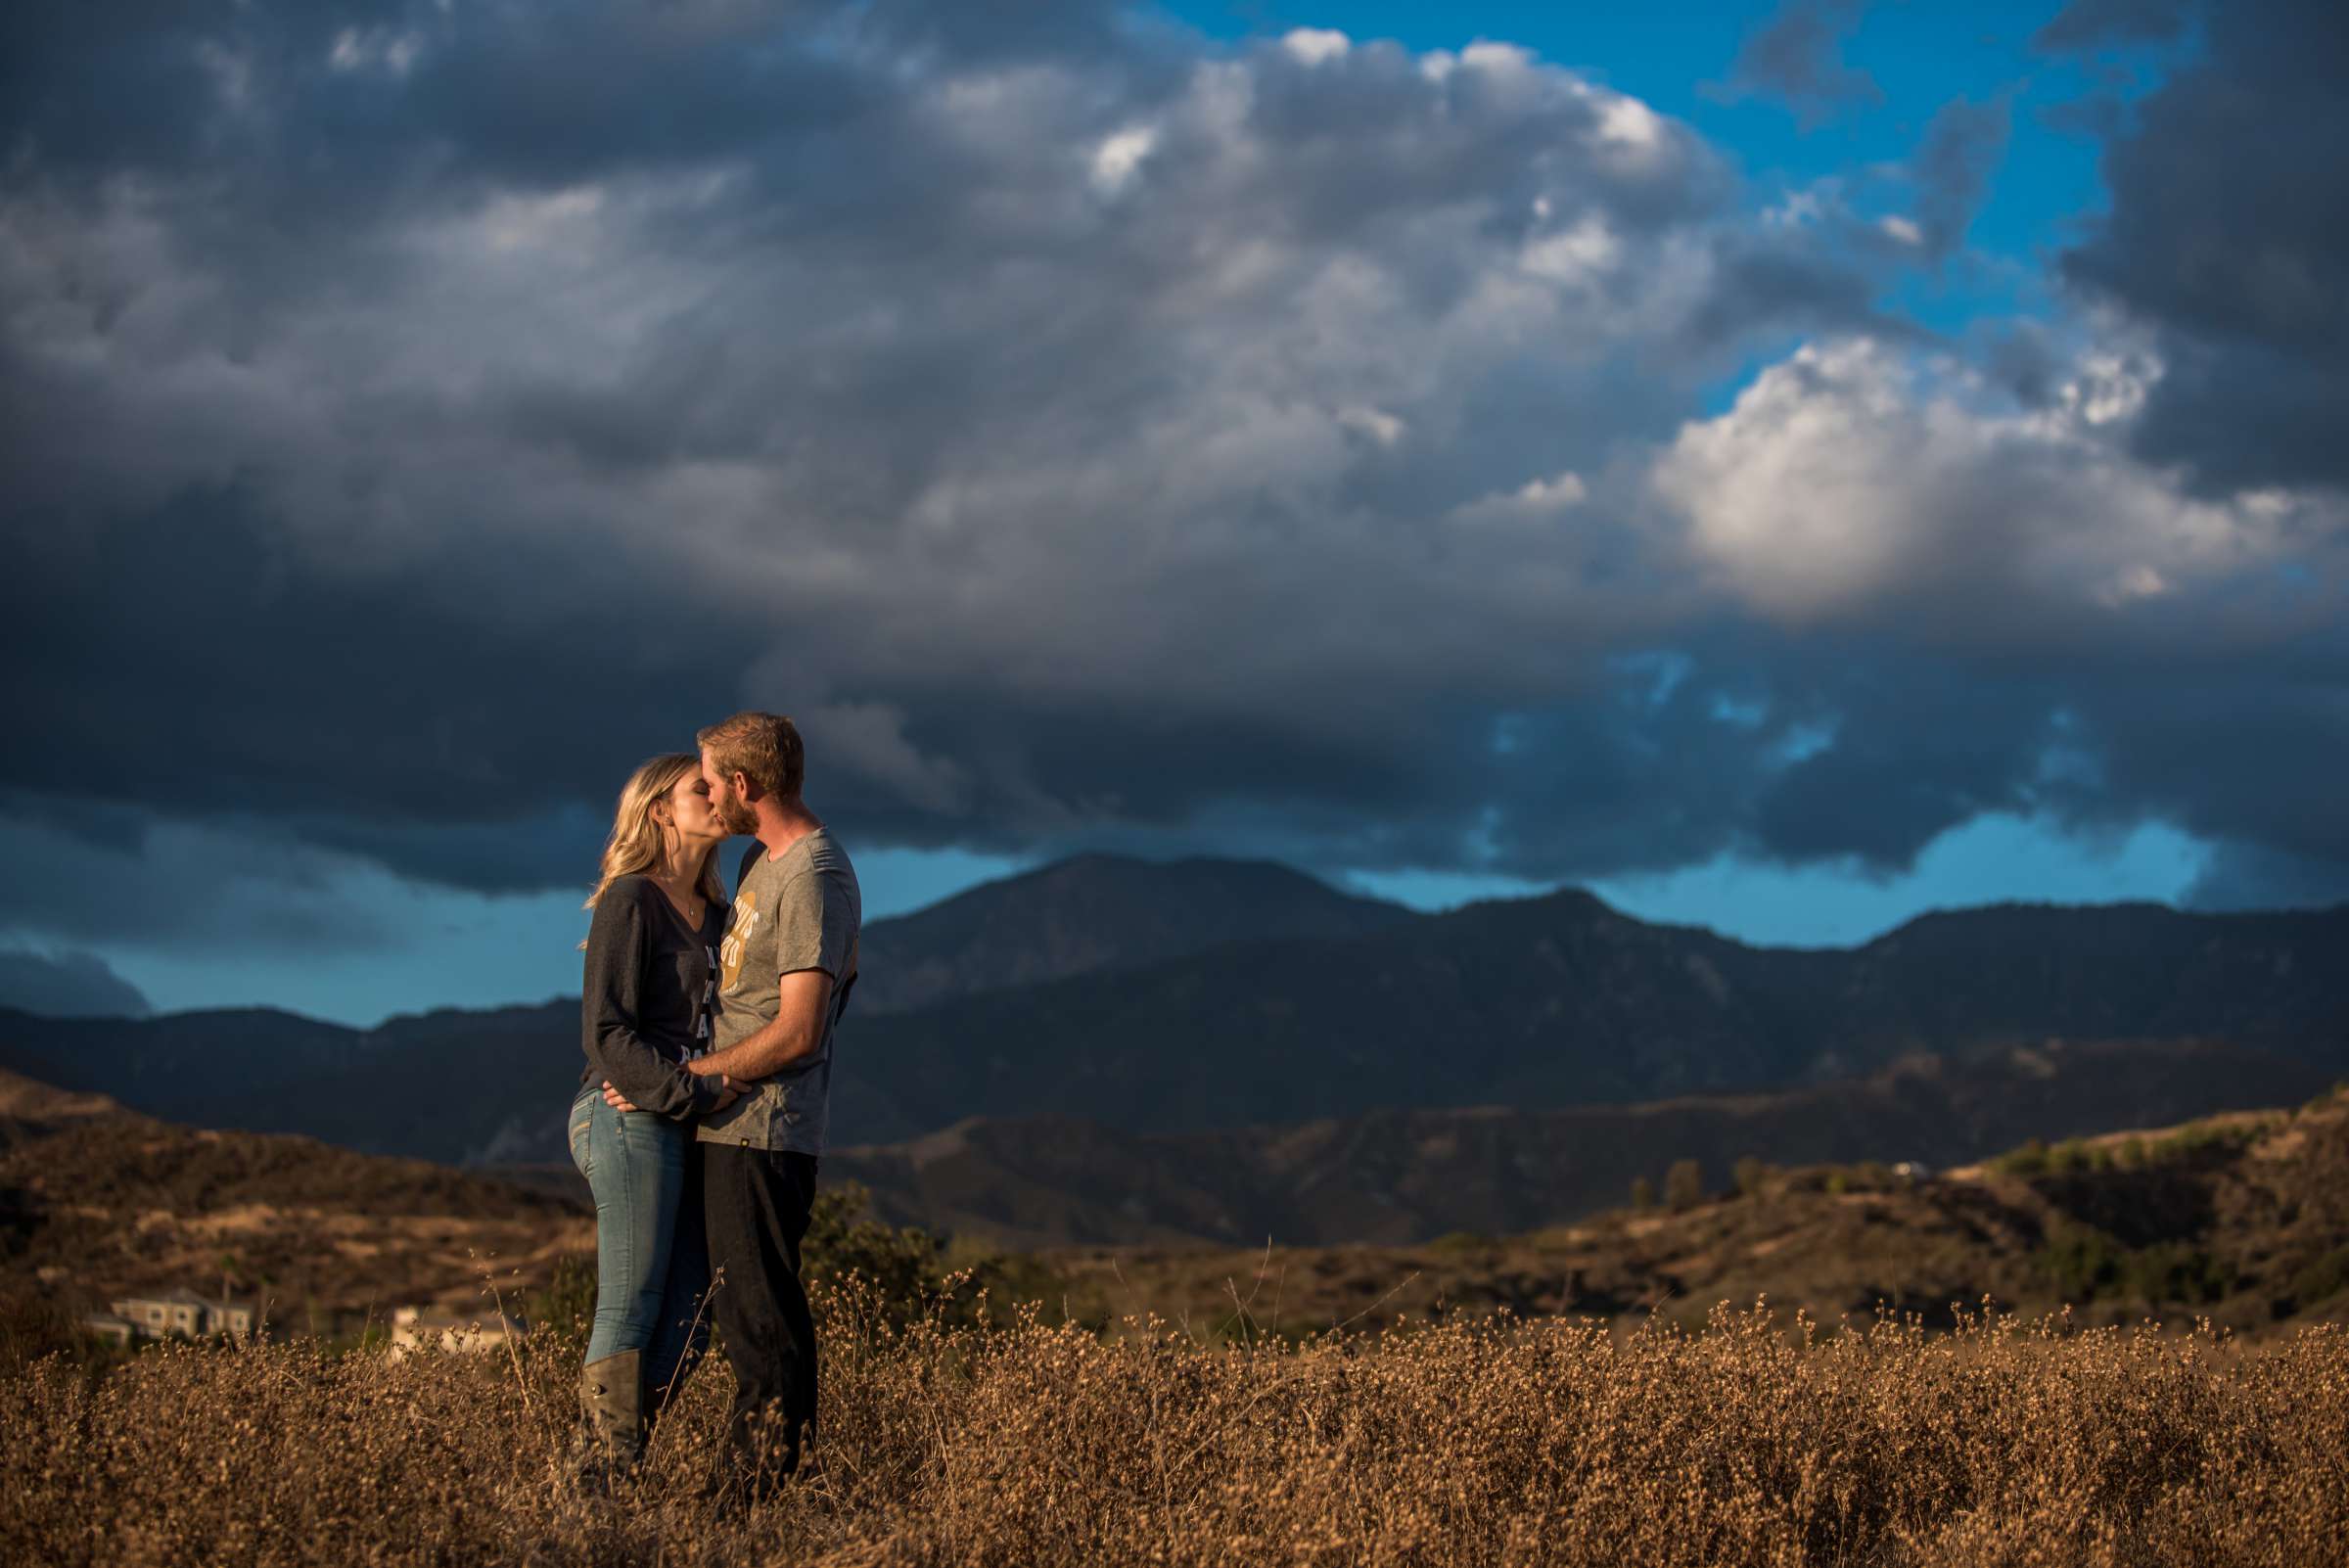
[(754, 1204)]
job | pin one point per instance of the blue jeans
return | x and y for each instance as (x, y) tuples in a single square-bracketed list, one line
[(652, 1261)]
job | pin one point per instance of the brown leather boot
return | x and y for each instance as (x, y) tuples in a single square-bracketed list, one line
[(612, 1410)]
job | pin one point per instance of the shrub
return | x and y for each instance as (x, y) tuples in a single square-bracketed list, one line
[(1748, 1173), (1643, 1193), (568, 1304), (1534, 1444), (2028, 1160), (2083, 1264), (2173, 1272), (2322, 1279), (1684, 1186), (1460, 1241)]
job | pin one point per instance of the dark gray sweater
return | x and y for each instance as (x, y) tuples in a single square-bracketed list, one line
[(644, 1009)]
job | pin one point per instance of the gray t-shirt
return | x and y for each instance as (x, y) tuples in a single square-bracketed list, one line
[(797, 911)]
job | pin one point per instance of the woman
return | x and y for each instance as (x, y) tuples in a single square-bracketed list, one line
[(651, 984)]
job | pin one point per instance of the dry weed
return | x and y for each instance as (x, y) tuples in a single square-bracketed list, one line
[(1023, 1441)]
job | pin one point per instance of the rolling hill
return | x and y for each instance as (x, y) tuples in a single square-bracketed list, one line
[(2242, 1218), (1397, 1177)]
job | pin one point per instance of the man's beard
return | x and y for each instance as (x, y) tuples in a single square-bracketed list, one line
[(735, 816)]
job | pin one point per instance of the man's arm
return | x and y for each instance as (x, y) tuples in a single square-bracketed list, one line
[(805, 997)]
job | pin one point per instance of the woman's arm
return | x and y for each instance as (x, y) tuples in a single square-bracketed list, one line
[(620, 946)]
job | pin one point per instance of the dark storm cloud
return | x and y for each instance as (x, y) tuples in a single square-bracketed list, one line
[(416, 417), (2088, 24), (66, 984), (1962, 148), (1797, 56), (2226, 235)]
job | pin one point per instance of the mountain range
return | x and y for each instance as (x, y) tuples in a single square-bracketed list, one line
[(1104, 1018)]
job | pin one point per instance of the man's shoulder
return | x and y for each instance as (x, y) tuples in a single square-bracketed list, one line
[(826, 855), (816, 876), (814, 853)]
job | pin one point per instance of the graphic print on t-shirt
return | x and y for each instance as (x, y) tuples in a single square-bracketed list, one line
[(738, 936), (709, 1008)]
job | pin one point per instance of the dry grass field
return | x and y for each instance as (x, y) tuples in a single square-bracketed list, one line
[(1757, 1440), (1556, 1398)]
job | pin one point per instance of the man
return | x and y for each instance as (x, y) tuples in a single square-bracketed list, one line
[(784, 968)]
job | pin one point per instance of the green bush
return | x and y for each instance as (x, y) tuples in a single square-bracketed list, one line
[(2084, 1265), (2322, 1280), (2172, 1270), (2081, 1264), (1458, 1241), (568, 1304), (2029, 1160)]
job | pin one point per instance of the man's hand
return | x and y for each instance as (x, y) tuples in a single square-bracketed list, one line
[(733, 1091), (804, 1000), (730, 1090)]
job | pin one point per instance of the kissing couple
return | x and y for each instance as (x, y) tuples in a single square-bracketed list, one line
[(700, 1116)]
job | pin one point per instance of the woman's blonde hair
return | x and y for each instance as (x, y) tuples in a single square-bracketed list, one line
[(639, 840)]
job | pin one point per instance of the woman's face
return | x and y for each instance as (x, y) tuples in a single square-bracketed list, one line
[(689, 808)]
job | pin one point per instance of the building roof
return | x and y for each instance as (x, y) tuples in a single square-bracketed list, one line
[(176, 1295), (182, 1296)]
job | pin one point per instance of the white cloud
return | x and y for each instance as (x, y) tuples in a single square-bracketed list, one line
[(1536, 501), (1376, 423), (1118, 155), (1629, 120), (1316, 46), (1577, 255), (375, 48), (1849, 478)]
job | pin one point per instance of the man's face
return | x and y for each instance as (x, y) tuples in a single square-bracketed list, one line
[(733, 811)]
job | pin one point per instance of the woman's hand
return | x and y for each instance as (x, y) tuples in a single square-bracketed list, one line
[(700, 1067), (729, 1090)]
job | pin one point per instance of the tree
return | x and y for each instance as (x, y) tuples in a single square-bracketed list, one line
[(1643, 1193), (1684, 1186), (1748, 1173)]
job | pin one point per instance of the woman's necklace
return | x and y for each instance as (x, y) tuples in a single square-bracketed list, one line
[(685, 911)]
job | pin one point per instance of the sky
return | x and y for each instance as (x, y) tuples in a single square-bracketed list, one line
[(1786, 466)]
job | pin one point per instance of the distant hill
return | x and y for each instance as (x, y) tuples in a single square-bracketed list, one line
[(2241, 1217), (1394, 1176), (96, 1200), (1093, 913), (1209, 996), (454, 1086), (30, 1110)]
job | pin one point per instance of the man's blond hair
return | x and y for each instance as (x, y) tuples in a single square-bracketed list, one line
[(762, 747)]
